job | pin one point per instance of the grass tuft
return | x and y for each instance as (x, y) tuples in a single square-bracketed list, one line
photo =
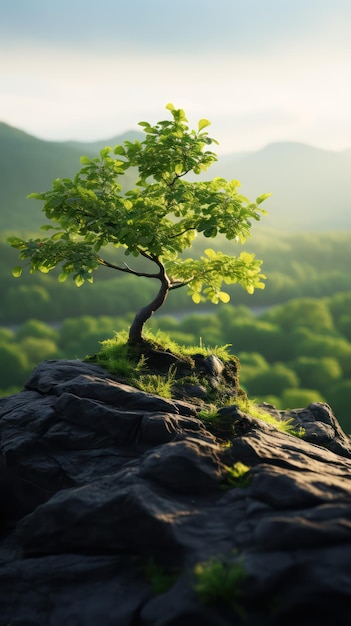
[(285, 426), (237, 475), (157, 384), (219, 581), (159, 578)]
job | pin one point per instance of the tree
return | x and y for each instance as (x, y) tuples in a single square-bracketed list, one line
[(305, 312), (33, 299), (157, 220), (317, 372), (339, 398), (293, 398), (35, 328), (255, 335), (14, 365), (273, 380)]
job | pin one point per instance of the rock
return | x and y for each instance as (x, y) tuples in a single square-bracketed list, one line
[(214, 365), (320, 426), (114, 501)]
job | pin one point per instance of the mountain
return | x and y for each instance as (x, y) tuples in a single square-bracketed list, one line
[(28, 164), (94, 146), (310, 187)]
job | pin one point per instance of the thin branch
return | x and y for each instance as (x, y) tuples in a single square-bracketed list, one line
[(150, 257), (178, 283), (177, 176), (155, 259), (182, 232), (128, 269)]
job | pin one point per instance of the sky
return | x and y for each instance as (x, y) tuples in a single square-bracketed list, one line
[(261, 70)]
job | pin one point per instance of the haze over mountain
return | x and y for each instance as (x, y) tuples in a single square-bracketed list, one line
[(310, 187)]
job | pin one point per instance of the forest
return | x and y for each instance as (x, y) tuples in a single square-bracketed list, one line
[(293, 338)]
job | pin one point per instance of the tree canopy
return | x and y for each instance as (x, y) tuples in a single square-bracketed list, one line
[(158, 219)]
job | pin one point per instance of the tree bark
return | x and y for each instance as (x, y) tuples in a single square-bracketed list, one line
[(136, 329)]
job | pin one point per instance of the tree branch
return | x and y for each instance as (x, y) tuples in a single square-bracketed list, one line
[(128, 269), (178, 283), (182, 232)]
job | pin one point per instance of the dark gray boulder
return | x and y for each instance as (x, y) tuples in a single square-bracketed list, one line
[(118, 507)]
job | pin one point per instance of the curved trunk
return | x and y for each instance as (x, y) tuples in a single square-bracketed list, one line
[(136, 329)]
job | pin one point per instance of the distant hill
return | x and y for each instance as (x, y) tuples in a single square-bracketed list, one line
[(310, 187), (29, 164), (95, 146)]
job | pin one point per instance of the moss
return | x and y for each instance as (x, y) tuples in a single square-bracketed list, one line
[(159, 365), (162, 367)]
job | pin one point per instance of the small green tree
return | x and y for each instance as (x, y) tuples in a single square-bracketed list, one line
[(156, 220)]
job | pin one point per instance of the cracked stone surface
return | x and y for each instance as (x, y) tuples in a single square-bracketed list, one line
[(98, 480)]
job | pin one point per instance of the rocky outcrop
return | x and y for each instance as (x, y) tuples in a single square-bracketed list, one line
[(121, 508)]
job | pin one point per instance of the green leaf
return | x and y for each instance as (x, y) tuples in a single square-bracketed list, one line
[(105, 151), (203, 123), (246, 257), (196, 297), (58, 236), (145, 239), (178, 169), (263, 197), (62, 277), (85, 160), (36, 196), (15, 242), (79, 280), (119, 150), (210, 253), (17, 271), (210, 232), (224, 297), (170, 106)]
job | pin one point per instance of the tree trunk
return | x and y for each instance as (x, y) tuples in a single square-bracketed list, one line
[(136, 329)]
